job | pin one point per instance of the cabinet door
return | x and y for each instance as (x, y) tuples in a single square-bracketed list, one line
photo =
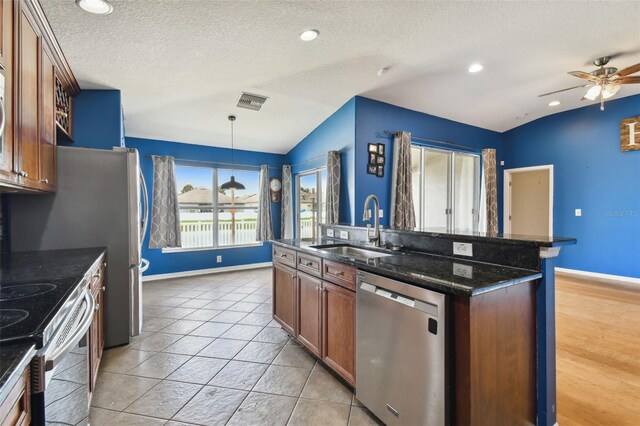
[(27, 106), (6, 139), (47, 123), (309, 312), (338, 330), (284, 297)]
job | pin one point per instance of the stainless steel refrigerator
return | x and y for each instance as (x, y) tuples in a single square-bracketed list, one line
[(101, 201)]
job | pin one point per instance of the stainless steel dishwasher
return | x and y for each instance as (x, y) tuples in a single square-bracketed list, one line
[(401, 352)]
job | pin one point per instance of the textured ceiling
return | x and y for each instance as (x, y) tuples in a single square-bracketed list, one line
[(181, 65)]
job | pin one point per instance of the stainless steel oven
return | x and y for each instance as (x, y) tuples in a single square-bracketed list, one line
[(60, 371)]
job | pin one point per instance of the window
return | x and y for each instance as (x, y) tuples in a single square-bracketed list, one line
[(311, 202), (446, 188), (228, 219)]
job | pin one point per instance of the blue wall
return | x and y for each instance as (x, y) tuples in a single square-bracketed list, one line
[(336, 133), (161, 263), (592, 174), (97, 120), (373, 117)]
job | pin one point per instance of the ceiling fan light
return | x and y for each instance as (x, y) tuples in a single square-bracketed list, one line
[(610, 90), (593, 92)]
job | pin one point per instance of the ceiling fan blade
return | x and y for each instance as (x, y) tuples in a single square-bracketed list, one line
[(582, 74), (627, 80), (564, 90), (629, 70)]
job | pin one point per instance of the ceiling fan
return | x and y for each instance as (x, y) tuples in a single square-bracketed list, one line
[(603, 82)]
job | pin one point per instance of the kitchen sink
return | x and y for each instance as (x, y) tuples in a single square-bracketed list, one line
[(351, 251)]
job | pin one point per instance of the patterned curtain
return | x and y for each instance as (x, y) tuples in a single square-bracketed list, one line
[(165, 211), (402, 213), (264, 228), (333, 186), (490, 189), (286, 211)]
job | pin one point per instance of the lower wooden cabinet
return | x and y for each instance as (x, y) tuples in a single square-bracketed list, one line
[(310, 312), (15, 410), (319, 314), (96, 331), (284, 297), (338, 330)]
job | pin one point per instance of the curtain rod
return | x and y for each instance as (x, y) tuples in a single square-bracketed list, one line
[(388, 133), (213, 162), (311, 160)]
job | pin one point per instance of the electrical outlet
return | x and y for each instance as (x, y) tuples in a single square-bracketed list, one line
[(218, 259), (502, 163), (578, 212), (329, 232), (380, 213), (463, 249), (344, 235), (464, 271)]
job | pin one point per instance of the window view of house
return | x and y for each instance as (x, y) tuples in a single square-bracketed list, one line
[(229, 218)]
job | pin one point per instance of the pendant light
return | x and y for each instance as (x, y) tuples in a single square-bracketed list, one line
[(232, 184)]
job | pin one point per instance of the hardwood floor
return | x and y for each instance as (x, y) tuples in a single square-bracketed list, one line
[(598, 352)]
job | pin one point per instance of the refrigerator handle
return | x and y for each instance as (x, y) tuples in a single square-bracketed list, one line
[(145, 203)]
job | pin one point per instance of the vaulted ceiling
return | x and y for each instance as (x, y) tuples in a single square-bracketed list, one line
[(181, 66)]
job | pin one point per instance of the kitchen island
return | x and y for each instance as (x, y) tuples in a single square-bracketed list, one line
[(499, 358)]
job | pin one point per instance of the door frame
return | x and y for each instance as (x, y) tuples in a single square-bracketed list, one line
[(506, 206)]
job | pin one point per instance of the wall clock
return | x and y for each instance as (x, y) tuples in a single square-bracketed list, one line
[(276, 190)]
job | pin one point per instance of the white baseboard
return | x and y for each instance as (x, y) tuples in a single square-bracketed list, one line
[(197, 272), (597, 275)]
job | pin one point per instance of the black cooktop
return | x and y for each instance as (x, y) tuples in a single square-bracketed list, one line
[(34, 286)]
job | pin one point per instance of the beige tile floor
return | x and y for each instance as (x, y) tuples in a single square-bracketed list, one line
[(210, 354)]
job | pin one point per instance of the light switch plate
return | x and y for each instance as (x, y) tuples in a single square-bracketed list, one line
[(218, 259), (329, 232), (502, 163), (578, 212), (463, 249), (344, 235), (380, 213)]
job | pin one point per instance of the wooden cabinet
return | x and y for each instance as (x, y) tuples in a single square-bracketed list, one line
[(284, 296), (310, 312), (36, 74), (47, 122), (96, 331), (15, 410), (338, 330), (324, 312)]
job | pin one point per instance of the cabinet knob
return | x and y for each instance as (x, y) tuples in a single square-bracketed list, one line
[(103, 288), (97, 306), (308, 263), (23, 173), (45, 180)]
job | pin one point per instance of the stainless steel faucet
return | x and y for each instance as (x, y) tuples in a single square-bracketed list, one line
[(373, 234)]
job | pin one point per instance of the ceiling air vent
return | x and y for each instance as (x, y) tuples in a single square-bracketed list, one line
[(252, 102)]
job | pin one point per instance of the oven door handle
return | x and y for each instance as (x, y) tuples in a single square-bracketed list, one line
[(51, 361)]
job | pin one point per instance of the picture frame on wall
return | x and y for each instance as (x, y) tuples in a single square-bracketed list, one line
[(373, 148), (381, 148), (373, 158), (380, 159), (372, 169), (380, 171)]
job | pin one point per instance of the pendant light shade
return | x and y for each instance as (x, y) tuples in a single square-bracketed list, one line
[(232, 184)]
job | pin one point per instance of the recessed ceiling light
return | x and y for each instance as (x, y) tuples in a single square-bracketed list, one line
[(522, 116), (309, 35), (99, 7), (382, 71), (475, 68), (554, 103)]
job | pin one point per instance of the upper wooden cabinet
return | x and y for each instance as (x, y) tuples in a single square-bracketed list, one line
[(36, 77)]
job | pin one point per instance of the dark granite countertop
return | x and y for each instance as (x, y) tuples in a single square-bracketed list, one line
[(14, 358), (440, 273)]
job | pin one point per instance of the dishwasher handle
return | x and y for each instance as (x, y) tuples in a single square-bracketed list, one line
[(393, 296)]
